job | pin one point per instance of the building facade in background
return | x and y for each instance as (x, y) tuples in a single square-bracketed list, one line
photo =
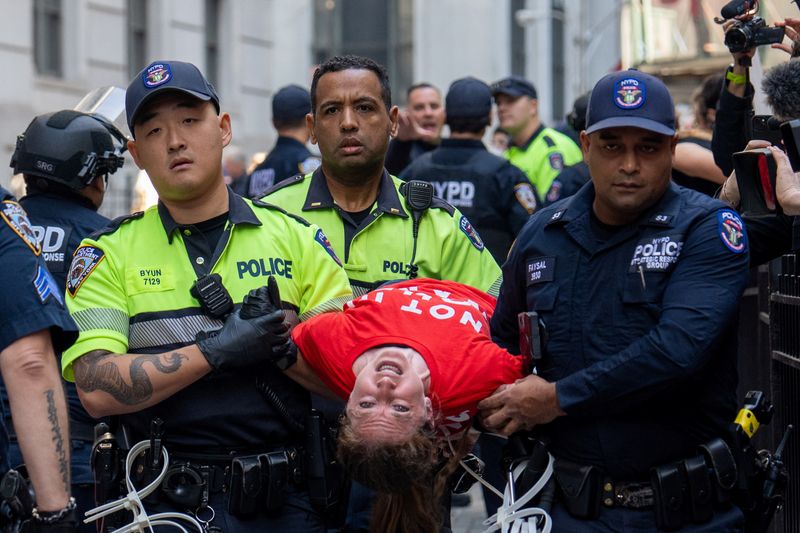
[(55, 51)]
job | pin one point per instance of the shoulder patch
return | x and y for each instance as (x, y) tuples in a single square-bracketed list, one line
[(731, 230), (17, 219), (115, 224), (84, 261), (526, 197), (555, 191), (46, 286), (268, 205), (294, 180), (471, 233), (321, 238), (309, 164), (556, 160), (438, 203)]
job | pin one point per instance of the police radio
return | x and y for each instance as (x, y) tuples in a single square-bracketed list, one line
[(419, 197), (213, 296)]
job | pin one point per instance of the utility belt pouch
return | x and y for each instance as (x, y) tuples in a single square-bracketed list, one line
[(246, 486), (668, 496), (723, 465), (275, 466), (700, 492), (580, 488)]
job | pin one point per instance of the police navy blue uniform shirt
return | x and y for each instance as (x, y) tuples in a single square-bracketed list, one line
[(568, 182), (32, 300), (400, 154), (288, 158), (493, 194), (636, 322)]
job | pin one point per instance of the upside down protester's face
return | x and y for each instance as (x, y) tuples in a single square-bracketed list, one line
[(388, 401)]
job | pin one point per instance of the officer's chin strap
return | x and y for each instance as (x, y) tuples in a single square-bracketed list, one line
[(510, 516), (133, 500)]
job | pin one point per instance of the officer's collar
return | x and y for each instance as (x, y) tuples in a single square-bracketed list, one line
[(530, 140), (664, 213), (238, 213), (61, 194), (283, 140), (319, 195), (462, 143)]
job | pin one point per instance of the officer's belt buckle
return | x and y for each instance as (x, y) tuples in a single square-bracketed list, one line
[(628, 495)]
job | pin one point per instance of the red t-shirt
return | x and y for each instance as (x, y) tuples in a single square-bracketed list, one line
[(446, 322)]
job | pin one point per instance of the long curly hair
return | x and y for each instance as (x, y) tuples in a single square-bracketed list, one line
[(410, 477)]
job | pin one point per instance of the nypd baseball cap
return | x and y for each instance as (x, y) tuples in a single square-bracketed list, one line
[(291, 103), (631, 98), (514, 86), (468, 98), (162, 76)]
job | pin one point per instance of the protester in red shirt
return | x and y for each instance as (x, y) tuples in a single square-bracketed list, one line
[(412, 359)]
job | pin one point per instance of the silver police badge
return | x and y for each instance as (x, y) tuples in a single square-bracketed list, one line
[(17, 219)]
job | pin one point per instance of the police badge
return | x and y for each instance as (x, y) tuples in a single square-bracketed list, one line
[(17, 219), (84, 261)]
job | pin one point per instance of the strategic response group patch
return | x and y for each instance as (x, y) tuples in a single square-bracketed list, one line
[(46, 286), (17, 219), (471, 234), (731, 231), (321, 238), (656, 254), (84, 261)]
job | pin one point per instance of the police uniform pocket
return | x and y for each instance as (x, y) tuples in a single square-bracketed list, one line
[(542, 297), (146, 279), (643, 288)]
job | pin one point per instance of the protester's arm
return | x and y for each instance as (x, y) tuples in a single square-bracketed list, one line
[(38, 406), (694, 160)]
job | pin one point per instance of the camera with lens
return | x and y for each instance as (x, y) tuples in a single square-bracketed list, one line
[(744, 35)]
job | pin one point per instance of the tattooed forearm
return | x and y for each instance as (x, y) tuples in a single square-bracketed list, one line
[(97, 371), (58, 438)]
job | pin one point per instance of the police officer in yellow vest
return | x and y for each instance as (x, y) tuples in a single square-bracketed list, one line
[(146, 291), (541, 152), (362, 208)]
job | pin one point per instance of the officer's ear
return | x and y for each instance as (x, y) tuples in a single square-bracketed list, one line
[(134, 152), (310, 127), (225, 126), (394, 117), (673, 143), (585, 143)]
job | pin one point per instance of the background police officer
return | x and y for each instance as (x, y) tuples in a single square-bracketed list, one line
[(636, 281), (359, 205), (495, 195), (147, 290), (66, 158), (419, 127), (34, 324), (289, 156), (539, 151)]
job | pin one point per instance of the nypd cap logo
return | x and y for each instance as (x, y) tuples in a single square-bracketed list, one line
[(156, 74), (471, 234), (629, 93), (15, 216), (731, 231), (84, 261)]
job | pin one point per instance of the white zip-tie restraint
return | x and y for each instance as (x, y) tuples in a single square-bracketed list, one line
[(511, 517), (133, 500)]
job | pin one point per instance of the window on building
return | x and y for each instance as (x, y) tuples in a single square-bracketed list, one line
[(47, 35), (557, 36), (382, 31), (517, 40), (212, 9), (137, 36)]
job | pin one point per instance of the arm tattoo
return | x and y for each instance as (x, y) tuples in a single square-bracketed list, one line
[(58, 438), (97, 371)]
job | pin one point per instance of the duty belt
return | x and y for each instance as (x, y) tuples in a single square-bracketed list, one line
[(631, 495)]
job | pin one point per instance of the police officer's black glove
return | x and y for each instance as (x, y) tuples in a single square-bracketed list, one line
[(243, 342), (266, 301)]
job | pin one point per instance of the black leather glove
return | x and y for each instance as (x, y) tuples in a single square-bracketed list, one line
[(265, 301), (243, 342)]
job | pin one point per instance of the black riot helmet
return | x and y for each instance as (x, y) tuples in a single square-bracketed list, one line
[(70, 148)]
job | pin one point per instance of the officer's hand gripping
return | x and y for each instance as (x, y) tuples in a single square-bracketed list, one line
[(266, 301), (248, 335)]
